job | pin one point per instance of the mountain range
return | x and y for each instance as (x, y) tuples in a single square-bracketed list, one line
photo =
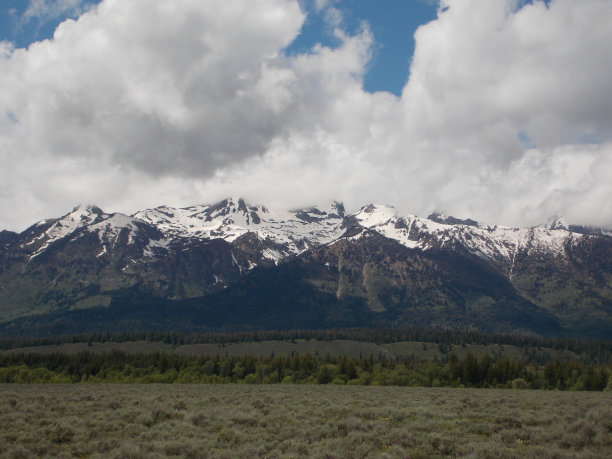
[(237, 266)]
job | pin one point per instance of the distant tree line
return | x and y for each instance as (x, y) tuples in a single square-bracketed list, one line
[(597, 351), (470, 371)]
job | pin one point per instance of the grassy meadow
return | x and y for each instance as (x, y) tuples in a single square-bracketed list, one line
[(131, 421)]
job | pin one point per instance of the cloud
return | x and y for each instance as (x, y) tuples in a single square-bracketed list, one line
[(163, 87), (486, 75), (322, 5), (45, 10), (506, 116), (174, 90), (539, 68)]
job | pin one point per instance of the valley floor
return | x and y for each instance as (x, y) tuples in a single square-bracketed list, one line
[(90, 420)]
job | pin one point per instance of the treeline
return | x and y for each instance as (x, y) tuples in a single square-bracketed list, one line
[(121, 367), (597, 351)]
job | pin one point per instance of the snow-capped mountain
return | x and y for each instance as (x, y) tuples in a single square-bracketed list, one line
[(497, 244), (388, 261), (295, 231), (108, 228), (290, 232)]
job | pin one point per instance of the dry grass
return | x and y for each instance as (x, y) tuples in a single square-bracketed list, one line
[(130, 421)]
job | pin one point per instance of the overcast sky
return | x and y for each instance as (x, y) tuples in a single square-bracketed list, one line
[(498, 110)]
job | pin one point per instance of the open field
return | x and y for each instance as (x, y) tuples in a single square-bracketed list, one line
[(300, 420)]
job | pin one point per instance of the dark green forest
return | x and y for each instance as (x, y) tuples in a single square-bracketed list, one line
[(598, 351), (470, 371)]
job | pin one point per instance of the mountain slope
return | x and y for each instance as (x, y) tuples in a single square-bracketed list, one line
[(234, 265)]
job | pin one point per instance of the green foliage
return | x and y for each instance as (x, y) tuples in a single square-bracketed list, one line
[(534, 348), (470, 371)]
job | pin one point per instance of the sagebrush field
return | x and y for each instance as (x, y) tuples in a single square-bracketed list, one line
[(300, 421)]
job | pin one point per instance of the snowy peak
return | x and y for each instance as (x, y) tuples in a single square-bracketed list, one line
[(80, 220), (90, 218), (79, 216), (280, 234), (223, 218), (232, 217), (374, 215), (500, 245), (286, 232), (45, 232), (232, 211), (560, 223)]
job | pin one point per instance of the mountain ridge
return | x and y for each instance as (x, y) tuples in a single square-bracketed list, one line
[(378, 264)]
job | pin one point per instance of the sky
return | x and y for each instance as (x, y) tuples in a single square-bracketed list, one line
[(497, 110)]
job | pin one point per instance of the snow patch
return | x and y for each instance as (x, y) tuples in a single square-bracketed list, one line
[(102, 252), (160, 244)]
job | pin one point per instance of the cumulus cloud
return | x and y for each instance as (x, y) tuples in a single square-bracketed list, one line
[(161, 87), (486, 76), (506, 116)]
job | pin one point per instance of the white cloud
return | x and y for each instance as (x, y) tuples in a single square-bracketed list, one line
[(506, 117), (486, 73), (46, 10), (165, 86), (321, 5)]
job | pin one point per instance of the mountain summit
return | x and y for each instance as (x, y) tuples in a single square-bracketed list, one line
[(234, 265)]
